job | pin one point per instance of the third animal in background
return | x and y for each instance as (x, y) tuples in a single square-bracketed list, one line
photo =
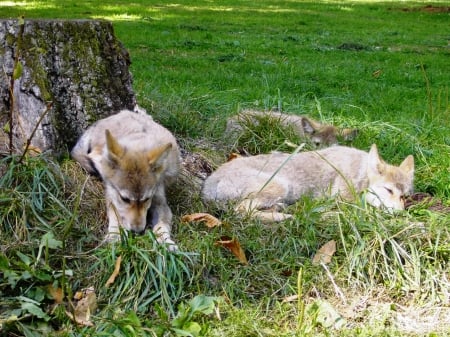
[(319, 134)]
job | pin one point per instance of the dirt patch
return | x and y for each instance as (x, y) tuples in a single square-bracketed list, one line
[(427, 9), (427, 201)]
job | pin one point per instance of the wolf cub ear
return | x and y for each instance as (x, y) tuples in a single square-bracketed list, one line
[(115, 150), (157, 156), (309, 126), (407, 166), (375, 164), (349, 134)]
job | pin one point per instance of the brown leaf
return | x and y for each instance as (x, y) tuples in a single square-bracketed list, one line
[(234, 246), (325, 253), (33, 150), (81, 313), (56, 293), (291, 298), (115, 272), (209, 220), (233, 155), (377, 73)]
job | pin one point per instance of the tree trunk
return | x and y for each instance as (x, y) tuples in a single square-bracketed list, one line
[(57, 78)]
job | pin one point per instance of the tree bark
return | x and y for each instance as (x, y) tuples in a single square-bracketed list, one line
[(57, 78)]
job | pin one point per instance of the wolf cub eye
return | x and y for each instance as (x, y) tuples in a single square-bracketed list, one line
[(125, 199), (389, 190)]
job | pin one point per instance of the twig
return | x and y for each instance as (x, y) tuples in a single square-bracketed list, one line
[(336, 287), (49, 106)]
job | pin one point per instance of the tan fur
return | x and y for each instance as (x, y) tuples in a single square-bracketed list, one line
[(264, 183), (136, 159), (305, 127)]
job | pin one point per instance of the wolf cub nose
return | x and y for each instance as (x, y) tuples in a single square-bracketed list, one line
[(138, 232)]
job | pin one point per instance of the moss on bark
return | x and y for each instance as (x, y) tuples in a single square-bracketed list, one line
[(79, 65)]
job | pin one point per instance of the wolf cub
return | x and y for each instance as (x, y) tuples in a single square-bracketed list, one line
[(261, 184), (136, 159), (305, 127)]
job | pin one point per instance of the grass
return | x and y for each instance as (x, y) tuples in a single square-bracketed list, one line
[(379, 67)]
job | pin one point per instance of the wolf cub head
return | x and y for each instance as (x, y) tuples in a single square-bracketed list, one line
[(324, 134), (389, 185), (131, 179)]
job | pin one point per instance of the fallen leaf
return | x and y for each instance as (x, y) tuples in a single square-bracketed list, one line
[(81, 312), (233, 155), (325, 253), (209, 220), (56, 293), (234, 246), (78, 295), (291, 298), (33, 150), (377, 73), (115, 272)]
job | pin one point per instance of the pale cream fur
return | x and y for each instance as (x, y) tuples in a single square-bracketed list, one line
[(305, 127), (136, 158), (261, 185)]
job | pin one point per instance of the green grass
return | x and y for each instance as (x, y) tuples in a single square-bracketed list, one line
[(380, 67)]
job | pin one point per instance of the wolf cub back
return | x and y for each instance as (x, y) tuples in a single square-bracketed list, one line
[(136, 159), (261, 184), (305, 127)]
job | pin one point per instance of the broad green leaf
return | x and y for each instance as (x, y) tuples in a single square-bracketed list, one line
[(35, 310), (193, 327), (48, 240), (24, 258), (27, 299), (12, 277), (181, 332), (4, 262), (203, 304), (26, 275)]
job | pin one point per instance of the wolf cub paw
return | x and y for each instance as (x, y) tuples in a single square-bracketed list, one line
[(112, 237), (165, 239)]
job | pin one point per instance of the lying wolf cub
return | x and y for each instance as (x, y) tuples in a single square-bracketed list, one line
[(136, 158), (262, 183), (305, 127)]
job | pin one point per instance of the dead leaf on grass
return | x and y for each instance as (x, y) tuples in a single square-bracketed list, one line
[(209, 220), (233, 155), (377, 73), (56, 293), (325, 253), (115, 272), (87, 304), (234, 246), (290, 298)]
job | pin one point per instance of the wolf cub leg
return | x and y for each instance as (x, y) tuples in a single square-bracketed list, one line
[(113, 223), (255, 208), (160, 218)]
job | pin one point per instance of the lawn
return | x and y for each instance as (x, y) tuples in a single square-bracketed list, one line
[(380, 67)]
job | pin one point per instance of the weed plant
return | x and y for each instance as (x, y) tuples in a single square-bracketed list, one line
[(379, 67)]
